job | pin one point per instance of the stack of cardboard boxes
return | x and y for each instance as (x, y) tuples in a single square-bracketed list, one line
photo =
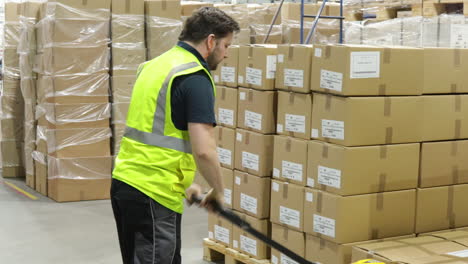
[(128, 52), (11, 101), (163, 25), (73, 111)]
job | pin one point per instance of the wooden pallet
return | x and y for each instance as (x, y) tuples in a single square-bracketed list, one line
[(215, 252)]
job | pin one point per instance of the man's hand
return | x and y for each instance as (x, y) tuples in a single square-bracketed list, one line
[(210, 198), (193, 190)]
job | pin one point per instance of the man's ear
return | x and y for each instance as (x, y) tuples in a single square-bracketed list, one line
[(211, 39)]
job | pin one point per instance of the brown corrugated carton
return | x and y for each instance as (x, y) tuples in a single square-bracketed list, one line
[(257, 66), (12, 11), (12, 129), (226, 106), (40, 161), (125, 61), (11, 87), (251, 195), (163, 8), (220, 230), (444, 117), (360, 170), (248, 244), (353, 70), (290, 160), (128, 30), (228, 178), (294, 113), (122, 87), (292, 239), (253, 153), (119, 113), (287, 205), (451, 63), (256, 110), (79, 179), (69, 116), (128, 7), (358, 121), (96, 9), (12, 158), (226, 141), (226, 73), (443, 163), (11, 63), (292, 11), (293, 68), (188, 7), (71, 143), (118, 131), (371, 216), (441, 208)]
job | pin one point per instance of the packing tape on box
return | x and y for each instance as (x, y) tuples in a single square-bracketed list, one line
[(328, 51), (322, 243), (387, 106), (458, 103), (328, 102), (389, 135), (85, 2), (379, 201), (458, 128), (220, 134), (127, 6), (387, 54), (291, 98), (318, 207), (164, 5), (374, 233), (245, 177), (290, 53), (383, 151), (250, 53), (250, 95), (285, 190), (450, 211), (382, 89), (247, 138), (382, 182), (456, 57), (325, 149), (223, 93), (455, 174), (454, 149), (453, 88), (288, 145)]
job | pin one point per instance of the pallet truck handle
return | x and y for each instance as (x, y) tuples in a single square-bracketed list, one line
[(244, 225)]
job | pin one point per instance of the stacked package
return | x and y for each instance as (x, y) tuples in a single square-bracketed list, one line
[(73, 160), (260, 18), (163, 25), (241, 15), (128, 52), (11, 101), (27, 53), (188, 7)]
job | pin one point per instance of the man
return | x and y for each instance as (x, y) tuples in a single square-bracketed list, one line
[(169, 133)]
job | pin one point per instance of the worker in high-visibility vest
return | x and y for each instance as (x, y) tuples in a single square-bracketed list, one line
[(169, 134)]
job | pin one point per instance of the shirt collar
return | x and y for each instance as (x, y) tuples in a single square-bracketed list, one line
[(194, 52)]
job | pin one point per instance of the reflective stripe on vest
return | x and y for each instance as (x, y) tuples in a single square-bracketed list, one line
[(157, 137)]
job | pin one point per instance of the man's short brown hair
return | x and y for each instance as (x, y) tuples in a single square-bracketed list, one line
[(206, 21)]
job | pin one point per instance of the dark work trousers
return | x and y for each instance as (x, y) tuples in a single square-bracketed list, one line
[(149, 233)]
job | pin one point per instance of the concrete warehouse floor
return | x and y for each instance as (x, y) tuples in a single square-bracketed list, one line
[(44, 232)]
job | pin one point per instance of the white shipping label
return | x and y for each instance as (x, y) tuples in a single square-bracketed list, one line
[(459, 36), (253, 120), (240, 79), (294, 78), (210, 235), (226, 116), (248, 245), (365, 64), (290, 216), (460, 254), (330, 177), (228, 74), (291, 170), (275, 186), (250, 161), (279, 128), (271, 67), (309, 197), (248, 203), (318, 52), (276, 173), (235, 243), (286, 260), (225, 156), (315, 133), (280, 58), (310, 182), (253, 76), (238, 180), (228, 196), (221, 234), (333, 129), (274, 259), (295, 123), (324, 225), (216, 78), (242, 96), (239, 137), (331, 80)]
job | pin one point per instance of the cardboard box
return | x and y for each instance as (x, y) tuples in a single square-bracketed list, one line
[(258, 32), (292, 11), (226, 140), (118, 131), (443, 163), (188, 7), (228, 178), (243, 37), (294, 241), (73, 89), (441, 208), (12, 107), (163, 8), (128, 30), (12, 11), (226, 106), (294, 113), (96, 9), (443, 117), (79, 179), (294, 67), (253, 153), (127, 7), (71, 143), (122, 87), (358, 121), (290, 160), (12, 158), (11, 87), (64, 61), (365, 70), (41, 173), (252, 195), (28, 90), (287, 205), (361, 170), (161, 35), (226, 74), (12, 129), (11, 33), (220, 230), (449, 63), (372, 216), (124, 58), (119, 113), (257, 110), (11, 63), (257, 66), (248, 244), (69, 116)]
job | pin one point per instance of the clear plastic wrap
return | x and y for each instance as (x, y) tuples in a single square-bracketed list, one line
[(239, 12), (382, 33), (12, 154), (119, 113), (162, 35), (11, 64), (11, 34), (86, 10), (259, 31), (11, 107), (12, 129), (326, 31), (63, 114), (122, 87), (28, 160), (89, 168), (352, 32), (10, 87), (78, 142), (128, 28), (29, 111), (39, 157), (30, 135), (27, 35), (118, 131), (445, 31), (127, 57), (26, 65)]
